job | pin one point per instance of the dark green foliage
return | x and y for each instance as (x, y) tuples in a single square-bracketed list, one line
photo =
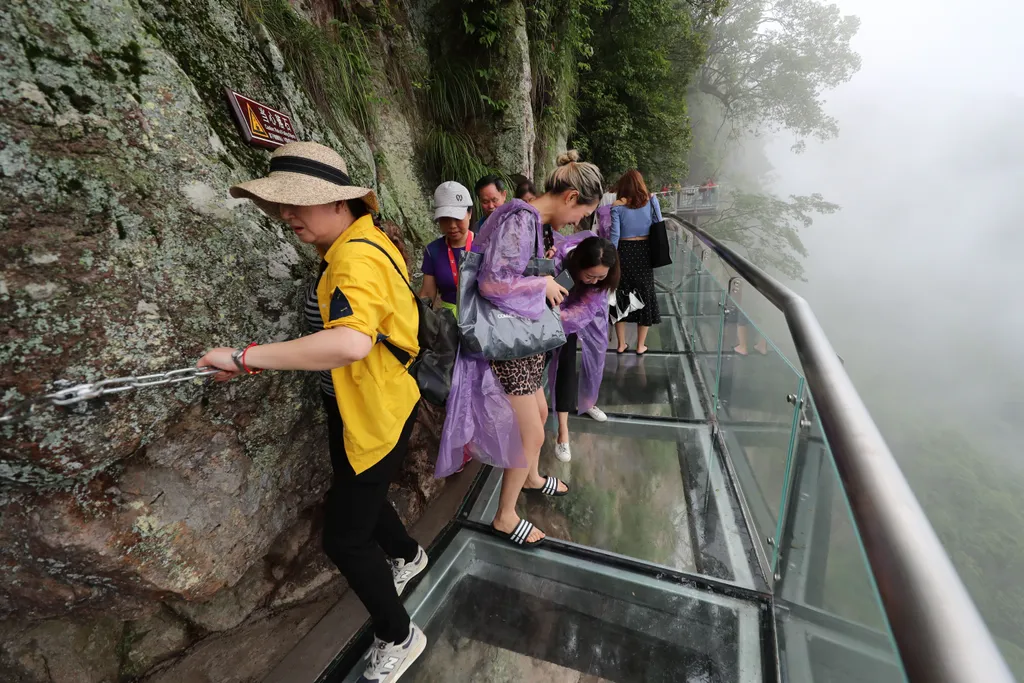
[(333, 63), (455, 96), (632, 99), (561, 46), (450, 156)]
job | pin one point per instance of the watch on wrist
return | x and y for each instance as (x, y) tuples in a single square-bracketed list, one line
[(236, 356)]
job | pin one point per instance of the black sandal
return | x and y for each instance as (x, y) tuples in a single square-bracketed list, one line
[(550, 488), (519, 534)]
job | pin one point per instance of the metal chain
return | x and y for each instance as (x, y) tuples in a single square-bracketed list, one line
[(84, 392)]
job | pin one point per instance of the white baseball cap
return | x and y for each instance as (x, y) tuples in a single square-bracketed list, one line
[(451, 200)]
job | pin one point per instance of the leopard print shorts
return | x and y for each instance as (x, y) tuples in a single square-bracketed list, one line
[(522, 376)]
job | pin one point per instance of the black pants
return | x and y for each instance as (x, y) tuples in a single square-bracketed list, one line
[(362, 529), (567, 379)]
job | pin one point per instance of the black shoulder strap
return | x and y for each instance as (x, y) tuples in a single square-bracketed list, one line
[(401, 354), (397, 269)]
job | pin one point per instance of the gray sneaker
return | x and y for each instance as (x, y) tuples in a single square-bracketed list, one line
[(404, 572), (388, 661)]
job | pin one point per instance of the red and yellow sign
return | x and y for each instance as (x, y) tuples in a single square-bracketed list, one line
[(261, 125)]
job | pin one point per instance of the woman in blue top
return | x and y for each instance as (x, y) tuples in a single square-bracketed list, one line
[(452, 211), (632, 216)]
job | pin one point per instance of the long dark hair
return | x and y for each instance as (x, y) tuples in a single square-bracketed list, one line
[(594, 251)]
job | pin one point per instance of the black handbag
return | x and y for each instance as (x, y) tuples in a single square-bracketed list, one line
[(438, 340), (657, 241)]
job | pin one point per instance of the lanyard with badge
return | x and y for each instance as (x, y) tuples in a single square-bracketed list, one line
[(451, 257)]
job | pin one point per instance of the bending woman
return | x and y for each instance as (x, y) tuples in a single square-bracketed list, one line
[(631, 222), (362, 292), (500, 406), (593, 264)]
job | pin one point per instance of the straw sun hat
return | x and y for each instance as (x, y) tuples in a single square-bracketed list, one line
[(303, 174)]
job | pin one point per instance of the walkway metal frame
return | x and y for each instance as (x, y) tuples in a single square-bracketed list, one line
[(940, 635)]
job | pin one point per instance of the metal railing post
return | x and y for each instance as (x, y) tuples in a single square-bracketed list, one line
[(938, 631)]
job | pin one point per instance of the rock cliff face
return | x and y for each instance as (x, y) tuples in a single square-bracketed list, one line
[(140, 526)]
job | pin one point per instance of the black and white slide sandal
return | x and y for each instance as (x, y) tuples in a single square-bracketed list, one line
[(550, 488), (520, 534)]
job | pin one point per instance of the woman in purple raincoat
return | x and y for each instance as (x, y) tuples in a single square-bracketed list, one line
[(593, 263), (499, 407)]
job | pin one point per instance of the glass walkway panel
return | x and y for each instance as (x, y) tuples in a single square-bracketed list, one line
[(708, 536)]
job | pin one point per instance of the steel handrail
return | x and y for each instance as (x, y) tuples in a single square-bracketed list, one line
[(940, 635)]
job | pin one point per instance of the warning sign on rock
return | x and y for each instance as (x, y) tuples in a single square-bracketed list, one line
[(261, 125)]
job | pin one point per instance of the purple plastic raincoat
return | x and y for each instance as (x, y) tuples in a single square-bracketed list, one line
[(586, 316), (479, 412), (604, 222)]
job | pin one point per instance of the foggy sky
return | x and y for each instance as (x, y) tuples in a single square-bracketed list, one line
[(916, 279)]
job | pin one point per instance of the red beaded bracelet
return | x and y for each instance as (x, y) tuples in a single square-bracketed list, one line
[(246, 367)]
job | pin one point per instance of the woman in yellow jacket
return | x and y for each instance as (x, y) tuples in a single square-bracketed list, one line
[(361, 297)]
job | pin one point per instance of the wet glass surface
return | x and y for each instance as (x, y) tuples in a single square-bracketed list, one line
[(515, 616), (657, 386), (652, 492)]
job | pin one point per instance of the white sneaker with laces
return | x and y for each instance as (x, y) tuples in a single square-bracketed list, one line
[(404, 572), (597, 414), (563, 452), (388, 661)]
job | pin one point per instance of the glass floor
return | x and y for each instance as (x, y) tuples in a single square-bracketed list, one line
[(656, 566), (496, 613)]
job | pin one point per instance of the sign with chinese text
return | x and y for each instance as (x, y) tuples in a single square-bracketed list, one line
[(261, 125)]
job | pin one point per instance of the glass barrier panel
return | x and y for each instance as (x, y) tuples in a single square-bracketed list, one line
[(756, 396), (706, 329), (689, 288), (830, 622)]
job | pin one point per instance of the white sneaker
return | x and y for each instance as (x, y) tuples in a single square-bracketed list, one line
[(404, 572), (597, 414), (388, 661), (563, 452)]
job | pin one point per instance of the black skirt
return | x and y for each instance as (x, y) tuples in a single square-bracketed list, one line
[(638, 278)]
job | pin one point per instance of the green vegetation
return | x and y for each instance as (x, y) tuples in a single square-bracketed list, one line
[(768, 65), (633, 98), (770, 62), (332, 62)]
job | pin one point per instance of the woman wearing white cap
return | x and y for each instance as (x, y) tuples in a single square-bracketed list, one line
[(453, 205), (362, 296)]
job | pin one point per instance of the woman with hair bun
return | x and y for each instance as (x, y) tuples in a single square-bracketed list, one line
[(499, 406)]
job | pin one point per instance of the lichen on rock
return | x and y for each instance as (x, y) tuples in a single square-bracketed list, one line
[(139, 523)]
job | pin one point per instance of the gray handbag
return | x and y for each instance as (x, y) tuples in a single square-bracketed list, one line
[(497, 335)]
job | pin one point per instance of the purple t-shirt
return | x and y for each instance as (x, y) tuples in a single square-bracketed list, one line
[(435, 262)]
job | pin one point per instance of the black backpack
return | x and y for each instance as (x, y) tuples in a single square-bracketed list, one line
[(439, 342)]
